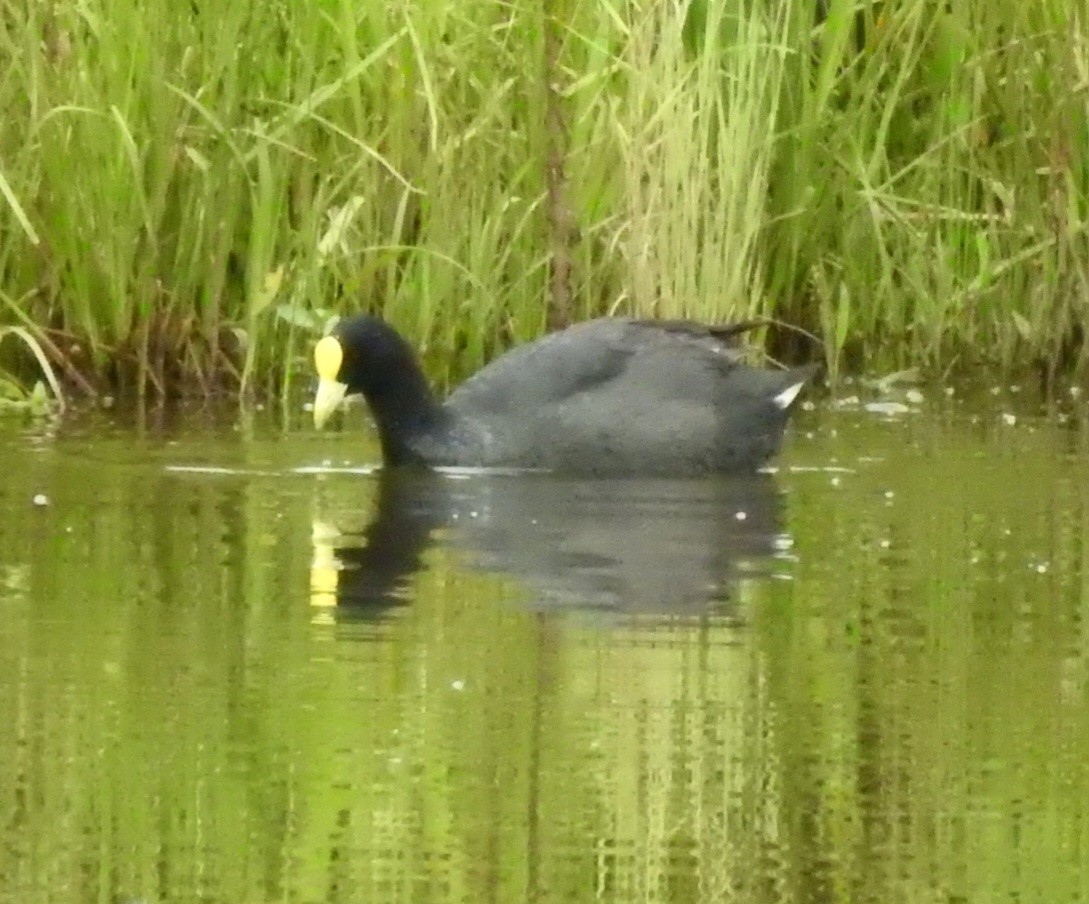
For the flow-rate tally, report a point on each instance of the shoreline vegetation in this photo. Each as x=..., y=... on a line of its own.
x=189, y=191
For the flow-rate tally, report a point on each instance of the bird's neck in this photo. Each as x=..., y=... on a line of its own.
x=407, y=416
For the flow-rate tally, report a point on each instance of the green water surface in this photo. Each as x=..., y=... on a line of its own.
x=243, y=666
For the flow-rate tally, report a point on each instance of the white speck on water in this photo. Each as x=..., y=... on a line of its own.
x=1041, y=567
x=474, y=514
x=808, y=406
x=888, y=409
x=740, y=516
x=41, y=499
x=1075, y=392
x=889, y=494
x=814, y=469
x=1009, y=420
x=835, y=481
x=458, y=685
x=914, y=397
x=950, y=391
x=885, y=544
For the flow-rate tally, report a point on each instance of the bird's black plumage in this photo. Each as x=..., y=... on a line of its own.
x=608, y=396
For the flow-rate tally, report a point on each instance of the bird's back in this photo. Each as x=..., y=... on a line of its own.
x=625, y=396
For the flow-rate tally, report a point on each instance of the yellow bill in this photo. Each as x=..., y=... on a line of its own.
x=328, y=356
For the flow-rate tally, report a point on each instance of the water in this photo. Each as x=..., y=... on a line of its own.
x=241, y=666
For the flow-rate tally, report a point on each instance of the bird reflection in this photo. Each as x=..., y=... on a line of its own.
x=635, y=545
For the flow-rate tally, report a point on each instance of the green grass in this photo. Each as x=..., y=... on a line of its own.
x=187, y=193
x=37, y=399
